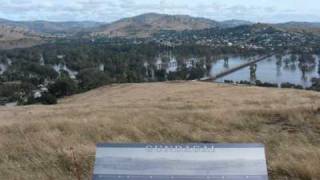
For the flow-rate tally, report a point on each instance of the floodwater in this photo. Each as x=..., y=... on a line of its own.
x=271, y=70
x=3, y=68
x=59, y=67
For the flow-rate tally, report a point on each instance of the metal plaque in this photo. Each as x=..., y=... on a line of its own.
x=180, y=162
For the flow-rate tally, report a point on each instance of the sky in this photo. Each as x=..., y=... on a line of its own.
x=111, y=10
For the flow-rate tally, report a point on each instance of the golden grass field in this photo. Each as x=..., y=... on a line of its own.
x=36, y=142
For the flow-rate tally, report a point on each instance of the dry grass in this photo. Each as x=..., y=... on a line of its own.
x=35, y=141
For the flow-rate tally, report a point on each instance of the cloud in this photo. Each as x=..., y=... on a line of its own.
x=111, y=10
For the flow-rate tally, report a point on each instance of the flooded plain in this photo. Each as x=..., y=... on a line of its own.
x=273, y=70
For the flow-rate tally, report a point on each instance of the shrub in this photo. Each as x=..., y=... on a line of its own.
x=92, y=78
x=63, y=87
x=228, y=81
x=265, y=84
x=315, y=84
x=290, y=85
x=48, y=99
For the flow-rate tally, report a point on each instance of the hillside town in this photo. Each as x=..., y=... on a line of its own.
x=242, y=37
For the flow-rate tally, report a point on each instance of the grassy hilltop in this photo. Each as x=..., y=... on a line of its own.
x=36, y=142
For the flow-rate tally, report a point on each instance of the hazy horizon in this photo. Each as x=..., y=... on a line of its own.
x=97, y=21
x=267, y=11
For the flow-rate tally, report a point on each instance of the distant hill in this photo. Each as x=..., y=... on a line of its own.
x=147, y=24
x=3, y=20
x=29, y=33
x=300, y=27
x=48, y=27
x=234, y=23
x=14, y=36
x=144, y=25
x=60, y=27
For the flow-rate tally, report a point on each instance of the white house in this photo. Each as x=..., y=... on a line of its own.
x=40, y=91
x=37, y=94
x=43, y=88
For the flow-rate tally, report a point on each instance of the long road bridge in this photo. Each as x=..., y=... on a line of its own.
x=234, y=69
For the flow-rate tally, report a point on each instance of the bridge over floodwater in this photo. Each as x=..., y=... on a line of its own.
x=234, y=69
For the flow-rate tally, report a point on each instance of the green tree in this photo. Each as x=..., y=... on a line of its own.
x=48, y=99
x=92, y=78
x=63, y=86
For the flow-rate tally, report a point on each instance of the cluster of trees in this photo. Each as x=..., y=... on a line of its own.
x=60, y=87
x=124, y=63
x=8, y=92
x=46, y=98
x=183, y=74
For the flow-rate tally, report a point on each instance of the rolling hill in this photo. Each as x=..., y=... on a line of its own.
x=234, y=23
x=16, y=37
x=48, y=27
x=38, y=142
x=301, y=27
x=147, y=24
x=29, y=33
x=20, y=34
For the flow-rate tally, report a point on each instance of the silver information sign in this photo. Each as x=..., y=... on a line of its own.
x=180, y=162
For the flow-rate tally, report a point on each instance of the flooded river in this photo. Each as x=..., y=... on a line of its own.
x=272, y=70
